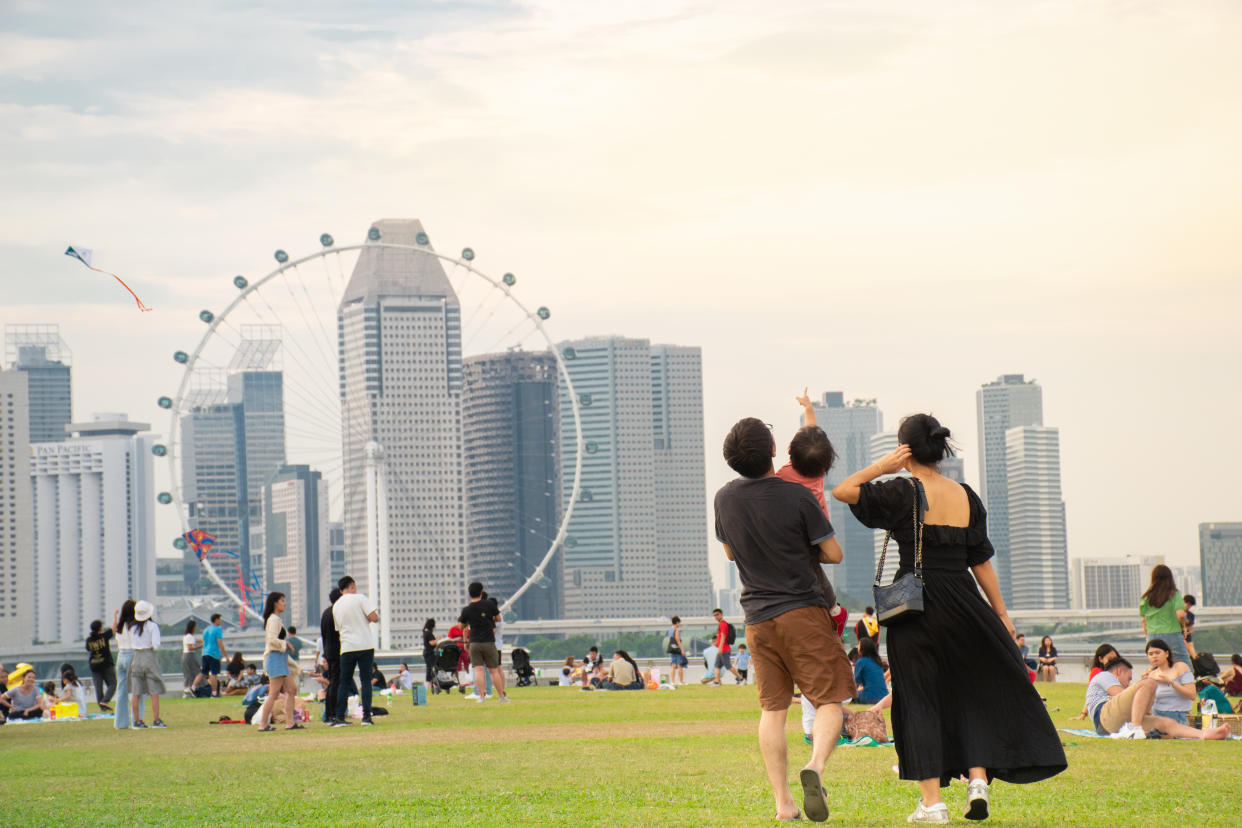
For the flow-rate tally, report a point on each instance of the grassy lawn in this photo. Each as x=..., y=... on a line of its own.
x=553, y=757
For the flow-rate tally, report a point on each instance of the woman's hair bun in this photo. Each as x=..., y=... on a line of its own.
x=927, y=438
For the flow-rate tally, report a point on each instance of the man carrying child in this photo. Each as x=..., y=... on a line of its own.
x=778, y=535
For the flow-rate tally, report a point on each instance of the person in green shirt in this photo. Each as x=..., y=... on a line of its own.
x=1163, y=613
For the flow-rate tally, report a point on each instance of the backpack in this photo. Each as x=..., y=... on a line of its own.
x=730, y=634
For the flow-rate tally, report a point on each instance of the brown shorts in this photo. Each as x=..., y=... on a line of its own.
x=484, y=654
x=799, y=646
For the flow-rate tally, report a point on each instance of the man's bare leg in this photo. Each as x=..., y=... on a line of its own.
x=1141, y=704
x=773, y=748
x=498, y=681
x=480, y=683
x=825, y=734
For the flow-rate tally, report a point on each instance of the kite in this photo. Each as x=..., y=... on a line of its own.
x=202, y=543
x=198, y=540
x=84, y=256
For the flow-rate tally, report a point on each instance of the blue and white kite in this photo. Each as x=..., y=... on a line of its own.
x=84, y=256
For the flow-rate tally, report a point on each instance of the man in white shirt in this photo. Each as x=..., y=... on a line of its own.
x=353, y=614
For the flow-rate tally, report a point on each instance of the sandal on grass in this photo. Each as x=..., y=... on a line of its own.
x=814, y=797
x=296, y=727
x=797, y=817
x=266, y=729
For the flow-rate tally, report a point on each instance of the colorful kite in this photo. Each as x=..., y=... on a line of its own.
x=84, y=256
x=197, y=539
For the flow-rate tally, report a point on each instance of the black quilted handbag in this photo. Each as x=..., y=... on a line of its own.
x=903, y=598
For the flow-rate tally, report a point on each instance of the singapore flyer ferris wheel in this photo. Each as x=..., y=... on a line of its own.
x=388, y=393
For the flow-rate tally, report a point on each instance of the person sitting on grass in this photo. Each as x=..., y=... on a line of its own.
x=623, y=673
x=1105, y=654
x=1119, y=707
x=26, y=700
x=869, y=674
x=71, y=689
x=1232, y=677
x=1175, y=683
x=1208, y=691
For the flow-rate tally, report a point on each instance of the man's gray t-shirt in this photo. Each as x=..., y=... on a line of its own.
x=1097, y=691
x=773, y=527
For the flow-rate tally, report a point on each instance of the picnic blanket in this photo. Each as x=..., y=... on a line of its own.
x=1091, y=734
x=46, y=720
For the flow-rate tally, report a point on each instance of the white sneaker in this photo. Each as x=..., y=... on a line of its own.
x=977, y=799
x=937, y=814
x=472, y=696
x=1130, y=731
x=479, y=699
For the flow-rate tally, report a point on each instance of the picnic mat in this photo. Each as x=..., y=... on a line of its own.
x=45, y=720
x=1091, y=734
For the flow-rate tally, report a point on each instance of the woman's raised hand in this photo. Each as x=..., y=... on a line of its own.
x=895, y=460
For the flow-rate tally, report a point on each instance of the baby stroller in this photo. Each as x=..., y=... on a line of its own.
x=521, y=666
x=447, y=655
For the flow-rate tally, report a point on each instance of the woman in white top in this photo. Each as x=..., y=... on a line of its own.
x=189, y=657
x=1175, y=683
x=276, y=665
x=144, y=672
x=121, y=623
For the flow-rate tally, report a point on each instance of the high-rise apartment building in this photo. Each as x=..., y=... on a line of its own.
x=296, y=542
x=94, y=539
x=17, y=561
x=1011, y=400
x=637, y=543
x=510, y=439
x=40, y=353
x=399, y=328
x=850, y=427
x=1220, y=561
x=336, y=553
x=1039, y=568
x=229, y=450
x=1110, y=583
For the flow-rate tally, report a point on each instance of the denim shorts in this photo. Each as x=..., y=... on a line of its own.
x=276, y=665
x=678, y=660
x=1179, y=716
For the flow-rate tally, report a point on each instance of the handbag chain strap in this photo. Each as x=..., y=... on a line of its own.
x=918, y=538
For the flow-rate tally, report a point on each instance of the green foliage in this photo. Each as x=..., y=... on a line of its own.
x=1218, y=640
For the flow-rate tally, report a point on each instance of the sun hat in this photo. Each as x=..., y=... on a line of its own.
x=143, y=611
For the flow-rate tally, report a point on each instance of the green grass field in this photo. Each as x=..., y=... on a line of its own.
x=554, y=757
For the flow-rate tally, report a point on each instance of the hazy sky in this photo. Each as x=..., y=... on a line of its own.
x=899, y=200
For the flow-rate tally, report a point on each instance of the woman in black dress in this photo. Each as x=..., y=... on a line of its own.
x=429, y=651
x=963, y=704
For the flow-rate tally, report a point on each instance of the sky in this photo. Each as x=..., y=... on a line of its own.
x=898, y=200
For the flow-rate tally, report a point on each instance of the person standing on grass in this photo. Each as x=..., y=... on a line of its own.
x=724, y=658
x=190, y=645
x=481, y=616
x=331, y=657
x=676, y=654
x=354, y=613
x=963, y=702
x=1163, y=612
x=144, y=673
x=429, y=652
x=103, y=671
x=214, y=652
x=122, y=622
x=777, y=535
x=276, y=665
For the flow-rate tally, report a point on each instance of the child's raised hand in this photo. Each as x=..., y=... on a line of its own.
x=803, y=400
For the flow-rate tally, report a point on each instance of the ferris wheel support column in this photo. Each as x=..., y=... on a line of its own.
x=384, y=597
x=373, y=454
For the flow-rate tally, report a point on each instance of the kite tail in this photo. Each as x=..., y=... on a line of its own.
x=141, y=306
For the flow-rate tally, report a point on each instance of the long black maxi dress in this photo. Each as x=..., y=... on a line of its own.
x=962, y=697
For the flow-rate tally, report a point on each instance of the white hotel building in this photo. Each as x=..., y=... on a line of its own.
x=94, y=525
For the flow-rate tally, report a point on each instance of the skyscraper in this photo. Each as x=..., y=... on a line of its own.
x=17, y=560
x=230, y=450
x=1110, y=583
x=296, y=543
x=851, y=428
x=641, y=420
x=1220, y=561
x=94, y=539
x=1011, y=400
x=399, y=327
x=39, y=352
x=1039, y=567
x=510, y=428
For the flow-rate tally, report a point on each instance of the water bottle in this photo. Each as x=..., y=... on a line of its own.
x=1209, y=714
